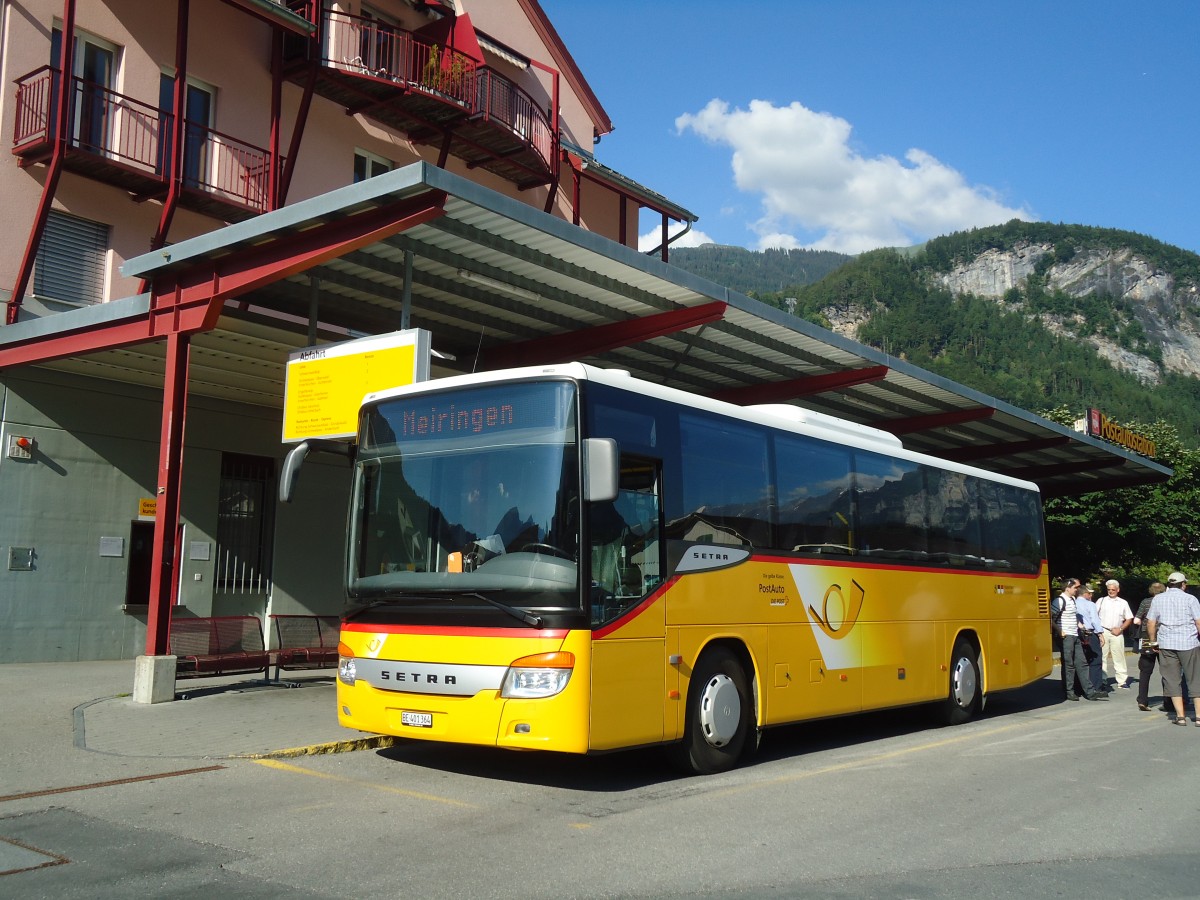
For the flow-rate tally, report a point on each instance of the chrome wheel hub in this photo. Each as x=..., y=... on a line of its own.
x=720, y=710
x=963, y=686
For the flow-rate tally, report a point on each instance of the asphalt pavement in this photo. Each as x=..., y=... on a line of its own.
x=51, y=711
x=74, y=726
x=62, y=723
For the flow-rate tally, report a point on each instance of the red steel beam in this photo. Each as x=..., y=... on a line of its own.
x=590, y=341
x=1033, y=473
x=993, y=451
x=191, y=299
x=1102, y=484
x=165, y=556
x=246, y=270
x=779, y=391
x=935, y=420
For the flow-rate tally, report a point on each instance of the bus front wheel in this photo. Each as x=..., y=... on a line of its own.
x=718, y=715
x=966, y=686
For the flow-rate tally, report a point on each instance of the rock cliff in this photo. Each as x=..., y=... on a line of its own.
x=1168, y=313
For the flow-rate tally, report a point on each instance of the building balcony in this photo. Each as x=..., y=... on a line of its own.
x=435, y=95
x=123, y=142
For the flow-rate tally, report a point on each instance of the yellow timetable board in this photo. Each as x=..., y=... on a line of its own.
x=326, y=385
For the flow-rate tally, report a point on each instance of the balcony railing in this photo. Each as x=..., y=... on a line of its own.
x=369, y=49
x=499, y=100
x=104, y=127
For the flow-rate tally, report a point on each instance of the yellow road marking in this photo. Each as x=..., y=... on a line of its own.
x=416, y=795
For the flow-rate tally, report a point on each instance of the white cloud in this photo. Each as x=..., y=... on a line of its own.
x=812, y=181
x=651, y=239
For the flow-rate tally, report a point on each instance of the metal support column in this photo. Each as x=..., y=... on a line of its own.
x=164, y=578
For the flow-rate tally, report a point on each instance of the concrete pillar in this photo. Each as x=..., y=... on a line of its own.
x=154, y=679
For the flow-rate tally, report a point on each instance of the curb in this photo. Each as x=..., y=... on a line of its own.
x=378, y=742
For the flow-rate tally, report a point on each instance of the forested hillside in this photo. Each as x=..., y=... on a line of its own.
x=756, y=273
x=1053, y=319
x=1041, y=342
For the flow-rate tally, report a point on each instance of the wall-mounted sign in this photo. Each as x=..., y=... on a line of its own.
x=147, y=508
x=326, y=385
x=1101, y=426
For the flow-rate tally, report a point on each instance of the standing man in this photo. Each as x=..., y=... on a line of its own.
x=1074, y=665
x=1147, y=654
x=1115, y=617
x=1174, y=621
x=1091, y=635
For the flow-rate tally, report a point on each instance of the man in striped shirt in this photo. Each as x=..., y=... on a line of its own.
x=1174, y=622
x=1074, y=664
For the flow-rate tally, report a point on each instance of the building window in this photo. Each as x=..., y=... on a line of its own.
x=72, y=259
x=368, y=165
x=92, y=99
x=198, y=118
x=245, y=523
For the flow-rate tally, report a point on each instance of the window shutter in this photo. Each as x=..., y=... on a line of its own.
x=71, y=259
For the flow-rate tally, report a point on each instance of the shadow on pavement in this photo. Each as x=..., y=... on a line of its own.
x=632, y=769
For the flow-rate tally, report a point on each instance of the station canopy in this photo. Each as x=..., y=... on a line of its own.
x=499, y=283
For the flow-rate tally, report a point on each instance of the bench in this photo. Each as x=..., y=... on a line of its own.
x=218, y=645
x=305, y=642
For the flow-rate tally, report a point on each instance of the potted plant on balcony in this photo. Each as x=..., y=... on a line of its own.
x=448, y=81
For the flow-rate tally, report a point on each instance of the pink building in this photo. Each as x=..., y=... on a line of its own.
x=135, y=126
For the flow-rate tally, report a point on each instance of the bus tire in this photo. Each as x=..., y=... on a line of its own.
x=966, y=687
x=719, y=715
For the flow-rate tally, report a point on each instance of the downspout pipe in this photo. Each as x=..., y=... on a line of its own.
x=662, y=247
x=62, y=121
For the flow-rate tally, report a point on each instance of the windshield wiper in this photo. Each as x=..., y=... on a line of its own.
x=387, y=601
x=524, y=615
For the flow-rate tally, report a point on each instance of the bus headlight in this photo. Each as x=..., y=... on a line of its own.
x=540, y=675
x=347, y=673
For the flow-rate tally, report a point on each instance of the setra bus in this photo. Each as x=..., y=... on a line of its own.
x=570, y=559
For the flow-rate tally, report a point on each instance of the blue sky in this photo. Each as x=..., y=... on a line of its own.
x=845, y=125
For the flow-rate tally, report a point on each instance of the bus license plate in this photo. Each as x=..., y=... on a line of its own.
x=416, y=719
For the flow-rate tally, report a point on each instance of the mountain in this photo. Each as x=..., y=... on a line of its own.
x=1038, y=315
x=754, y=272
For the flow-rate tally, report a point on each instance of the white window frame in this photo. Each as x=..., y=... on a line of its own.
x=372, y=160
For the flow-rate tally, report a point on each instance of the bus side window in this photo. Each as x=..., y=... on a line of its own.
x=890, y=514
x=727, y=496
x=814, y=480
x=624, y=536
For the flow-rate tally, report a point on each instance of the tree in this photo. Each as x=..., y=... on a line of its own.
x=1138, y=534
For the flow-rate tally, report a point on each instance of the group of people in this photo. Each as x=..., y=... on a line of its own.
x=1167, y=628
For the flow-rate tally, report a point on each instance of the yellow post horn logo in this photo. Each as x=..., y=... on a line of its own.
x=849, y=611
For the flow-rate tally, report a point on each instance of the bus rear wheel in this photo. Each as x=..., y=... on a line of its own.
x=966, y=687
x=719, y=715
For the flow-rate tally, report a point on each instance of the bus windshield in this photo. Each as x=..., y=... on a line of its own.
x=472, y=492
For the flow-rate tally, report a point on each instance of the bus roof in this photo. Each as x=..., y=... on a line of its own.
x=781, y=416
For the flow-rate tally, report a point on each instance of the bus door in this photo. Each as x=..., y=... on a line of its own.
x=629, y=660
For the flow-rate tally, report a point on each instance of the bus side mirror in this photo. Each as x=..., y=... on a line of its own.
x=295, y=459
x=601, y=469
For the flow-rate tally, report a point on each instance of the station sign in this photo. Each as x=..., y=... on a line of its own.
x=1101, y=426
x=325, y=385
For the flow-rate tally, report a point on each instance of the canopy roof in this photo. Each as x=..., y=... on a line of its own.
x=498, y=282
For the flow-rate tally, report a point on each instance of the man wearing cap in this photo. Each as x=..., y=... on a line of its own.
x=1174, y=622
x=1115, y=616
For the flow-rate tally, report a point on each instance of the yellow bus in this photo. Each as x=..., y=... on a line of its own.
x=570, y=559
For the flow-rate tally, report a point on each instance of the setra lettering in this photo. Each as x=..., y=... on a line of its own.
x=417, y=677
x=719, y=557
